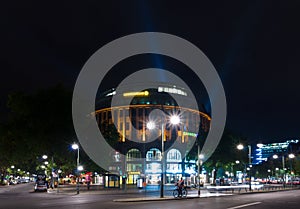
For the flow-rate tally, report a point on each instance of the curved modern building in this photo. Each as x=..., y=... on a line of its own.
x=137, y=117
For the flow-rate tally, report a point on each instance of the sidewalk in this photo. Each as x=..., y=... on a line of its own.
x=152, y=192
x=192, y=194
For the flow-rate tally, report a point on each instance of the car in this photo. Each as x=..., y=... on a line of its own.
x=23, y=180
x=41, y=184
x=256, y=185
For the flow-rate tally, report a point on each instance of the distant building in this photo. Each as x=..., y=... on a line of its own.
x=143, y=156
x=268, y=150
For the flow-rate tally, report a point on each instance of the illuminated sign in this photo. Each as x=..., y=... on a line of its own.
x=136, y=93
x=134, y=172
x=185, y=133
x=267, y=150
x=172, y=90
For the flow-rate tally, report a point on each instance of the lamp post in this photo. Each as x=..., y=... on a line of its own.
x=58, y=175
x=174, y=120
x=269, y=171
x=200, y=158
x=283, y=166
x=240, y=147
x=43, y=159
x=162, y=160
x=76, y=147
x=290, y=156
x=12, y=170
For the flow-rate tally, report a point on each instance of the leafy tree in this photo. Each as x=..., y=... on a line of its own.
x=296, y=165
x=41, y=123
x=224, y=157
x=38, y=124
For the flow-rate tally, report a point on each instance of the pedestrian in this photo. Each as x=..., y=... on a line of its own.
x=88, y=181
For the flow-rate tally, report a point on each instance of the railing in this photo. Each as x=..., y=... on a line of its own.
x=254, y=187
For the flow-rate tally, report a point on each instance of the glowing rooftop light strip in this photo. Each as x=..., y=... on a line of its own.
x=137, y=93
x=157, y=106
x=172, y=90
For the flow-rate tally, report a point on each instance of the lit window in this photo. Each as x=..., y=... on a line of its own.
x=153, y=154
x=133, y=154
x=174, y=156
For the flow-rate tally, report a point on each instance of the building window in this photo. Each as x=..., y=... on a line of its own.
x=174, y=156
x=133, y=154
x=174, y=168
x=132, y=167
x=153, y=154
x=116, y=157
x=127, y=126
x=153, y=168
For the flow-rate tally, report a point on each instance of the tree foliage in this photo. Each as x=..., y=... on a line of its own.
x=224, y=157
x=38, y=124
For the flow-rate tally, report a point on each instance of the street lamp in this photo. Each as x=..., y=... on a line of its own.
x=80, y=168
x=269, y=171
x=283, y=166
x=45, y=157
x=290, y=156
x=12, y=170
x=76, y=147
x=240, y=147
x=200, y=162
x=174, y=120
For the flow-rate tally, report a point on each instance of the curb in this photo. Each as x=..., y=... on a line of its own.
x=267, y=191
x=144, y=199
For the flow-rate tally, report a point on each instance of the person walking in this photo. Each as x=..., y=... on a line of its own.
x=88, y=181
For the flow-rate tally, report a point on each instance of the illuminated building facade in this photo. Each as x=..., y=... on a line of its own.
x=141, y=157
x=268, y=150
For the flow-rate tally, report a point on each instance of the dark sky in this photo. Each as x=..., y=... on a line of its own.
x=254, y=46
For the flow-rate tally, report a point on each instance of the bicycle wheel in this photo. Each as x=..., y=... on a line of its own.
x=184, y=192
x=175, y=193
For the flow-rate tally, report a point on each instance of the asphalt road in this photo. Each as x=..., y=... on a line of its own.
x=22, y=196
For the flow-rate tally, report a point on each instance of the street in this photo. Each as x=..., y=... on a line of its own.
x=22, y=196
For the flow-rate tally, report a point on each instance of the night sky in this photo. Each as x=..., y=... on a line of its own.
x=254, y=46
